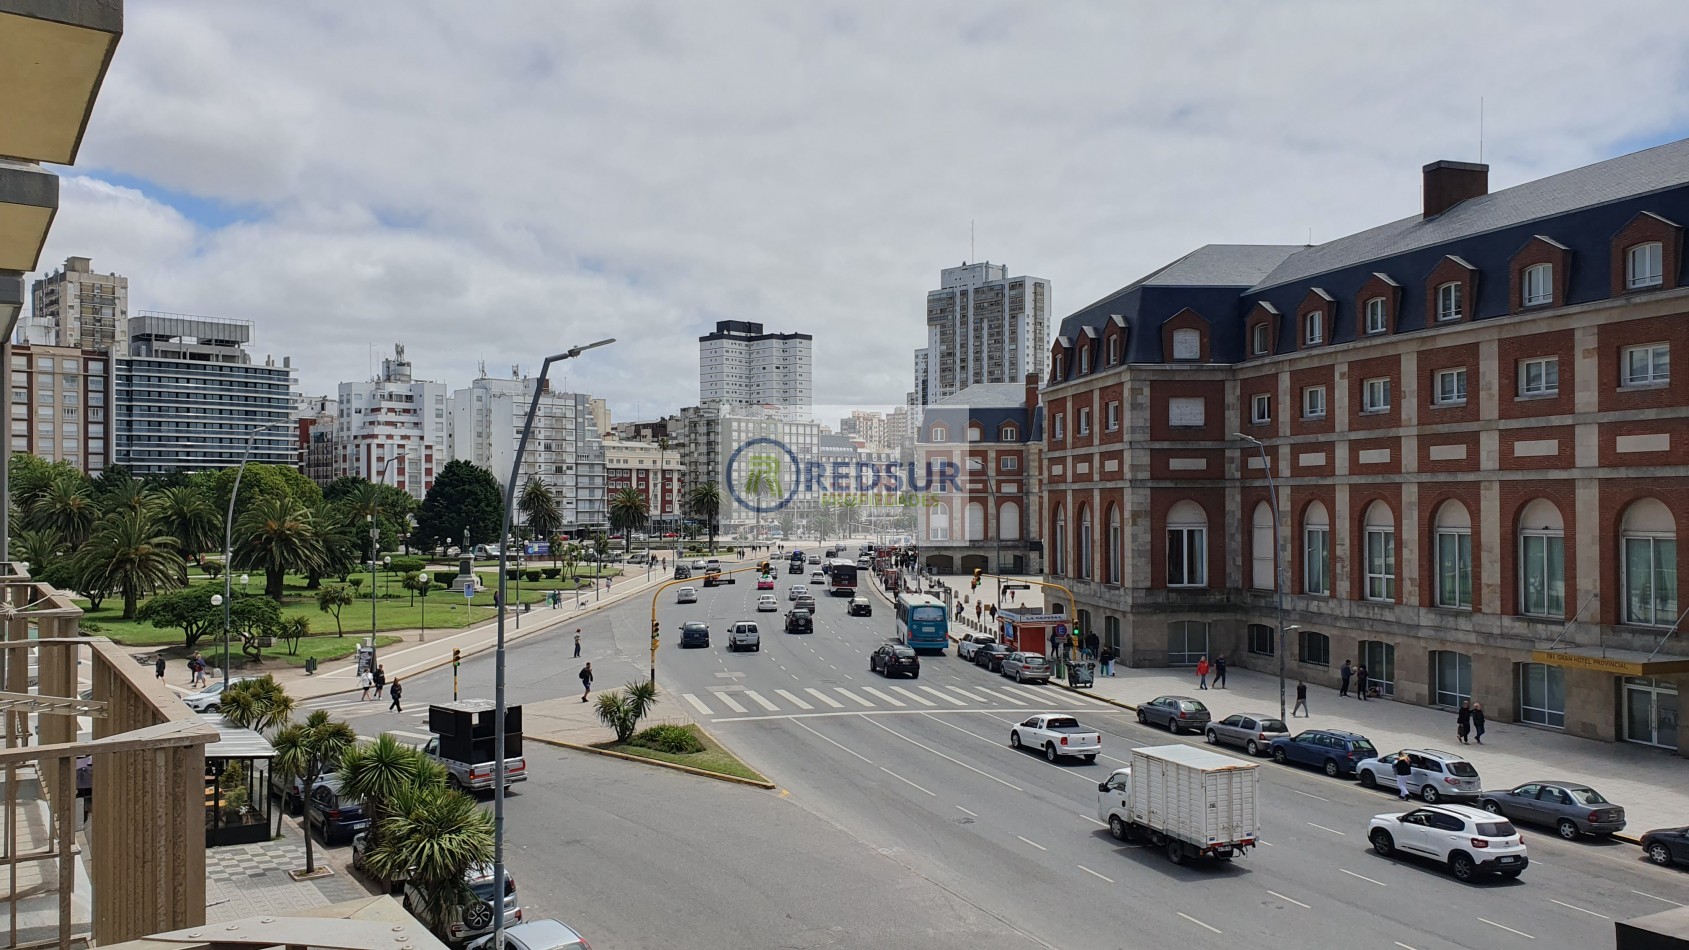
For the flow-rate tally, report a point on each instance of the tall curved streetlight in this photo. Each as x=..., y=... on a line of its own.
x=229, y=545
x=375, y=549
x=1278, y=562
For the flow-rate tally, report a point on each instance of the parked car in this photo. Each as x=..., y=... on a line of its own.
x=333, y=816
x=475, y=917
x=1057, y=735
x=766, y=603
x=816, y=577
x=765, y=582
x=1252, y=731
x=210, y=699
x=860, y=606
x=686, y=595
x=1177, y=713
x=1469, y=841
x=1436, y=775
x=1333, y=750
x=1571, y=808
x=991, y=656
x=800, y=621
x=695, y=633
x=970, y=644
x=894, y=658
x=1667, y=846
x=796, y=591
x=744, y=636
x=546, y=934
x=291, y=790
x=1026, y=667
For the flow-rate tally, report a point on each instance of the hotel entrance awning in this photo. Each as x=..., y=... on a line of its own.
x=1618, y=662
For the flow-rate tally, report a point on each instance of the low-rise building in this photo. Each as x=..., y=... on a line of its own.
x=650, y=469
x=987, y=517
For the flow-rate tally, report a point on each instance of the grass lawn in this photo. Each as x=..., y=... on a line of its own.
x=713, y=759
x=324, y=648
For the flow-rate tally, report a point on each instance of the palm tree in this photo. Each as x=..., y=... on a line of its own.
x=125, y=492
x=629, y=510
x=66, y=506
x=337, y=534
x=129, y=552
x=704, y=500
x=304, y=751
x=39, y=549
x=539, y=509
x=377, y=773
x=760, y=482
x=192, y=520
x=435, y=835
x=259, y=704
x=277, y=535
x=663, y=446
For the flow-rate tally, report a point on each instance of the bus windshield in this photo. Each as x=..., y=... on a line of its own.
x=927, y=613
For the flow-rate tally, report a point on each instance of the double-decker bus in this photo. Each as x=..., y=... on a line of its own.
x=923, y=624
x=841, y=578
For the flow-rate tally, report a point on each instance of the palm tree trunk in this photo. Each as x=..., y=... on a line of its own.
x=273, y=578
x=305, y=813
x=131, y=599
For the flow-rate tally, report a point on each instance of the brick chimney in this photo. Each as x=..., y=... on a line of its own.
x=1449, y=183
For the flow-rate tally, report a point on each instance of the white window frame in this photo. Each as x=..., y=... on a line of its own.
x=1655, y=617
x=1009, y=463
x=1084, y=360
x=1259, y=337
x=1056, y=364
x=1114, y=351
x=938, y=522
x=1375, y=394
x=1309, y=410
x=1449, y=387
x=1113, y=415
x=1060, y=427
x=1313, y=327
x=1458, y=542
x=1082, y=422
x=1450, y=301
x=1659, y=365
x=1191, y=560
x=1377, y=316
x=1380, y=560
x=1547, y=365
x=940, y=434
x=1316, y=560
x=1644, y=265
x=1260, y=409
x=1536, y=285
x=1009, y=434
x=1547, y=608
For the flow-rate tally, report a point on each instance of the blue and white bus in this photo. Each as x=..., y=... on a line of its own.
x=923, y=623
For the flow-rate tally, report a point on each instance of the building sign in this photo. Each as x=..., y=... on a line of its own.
x=1610, y=664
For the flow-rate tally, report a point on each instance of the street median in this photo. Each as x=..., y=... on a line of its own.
x=710, y=760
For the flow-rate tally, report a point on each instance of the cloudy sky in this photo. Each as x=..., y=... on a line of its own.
x=499, y=184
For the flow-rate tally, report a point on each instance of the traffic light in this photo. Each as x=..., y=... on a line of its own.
x=456, y=656
x=656, y=628
x=977, y=572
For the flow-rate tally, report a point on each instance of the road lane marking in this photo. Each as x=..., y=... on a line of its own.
x=730, y=702
x=1508, y=929
x=1023, y=692
x=1405, y=946
x=1660, y=899
x=830, y=739
x=945, y=757
x=904, y=780
x=1332, y=830
x=858, y=700
x=914, y=696
x=697, y=704
x=971, y=697
x=966, y=812
x=945, y=696
x=1310, y=795
x=1362, y=877
x=1042, y=761
x=1290, y=900
x=1033, y=843
x=1089, y=818
x=793, y=698
x=757, y=698
x=1199, y=923
x=885, y=696
x=1577, y=908
x=824, y=697
x=1093, y=873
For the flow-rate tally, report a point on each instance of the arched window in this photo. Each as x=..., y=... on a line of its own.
x=938, y=522
x=1187, y=545
x=1542, y=560
x=975, y=526
x=1008, y=521
x=1316, y=551
x=1085, y=553
x=1058, y=541
x=1262, y=546
x=1648, y=538
x=1454, y=556
x=1380, y=557
x=1113, y=552
x=1008, y=434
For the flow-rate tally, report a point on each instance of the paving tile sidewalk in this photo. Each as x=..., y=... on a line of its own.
x=1652, y=785
x=249, y=880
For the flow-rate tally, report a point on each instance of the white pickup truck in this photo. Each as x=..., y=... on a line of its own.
x=1193, y=802
x=1057, y=735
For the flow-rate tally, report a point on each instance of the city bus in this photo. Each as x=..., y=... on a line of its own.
x=923, y=624
x=841, y=578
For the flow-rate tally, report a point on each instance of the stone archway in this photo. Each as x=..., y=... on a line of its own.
x=973, y=562
x=941, y=563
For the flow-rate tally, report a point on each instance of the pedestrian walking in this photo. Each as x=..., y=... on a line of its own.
x=1301, y=700
x=1343, y=678
x=1220, y=671
x=380, y=678
x=1463, y=721
x=979, y=611
x=586, y=681
x=158, y=666
x=1478, y=722
x=577, y=642
x=196, y=670
x=1202, y=673
x=1106, y=658
x=366, y=682
x=1361, y=682
x=396, y=692
x=1404, y=774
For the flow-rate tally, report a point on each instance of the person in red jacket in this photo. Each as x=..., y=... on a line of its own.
x=1202, y=673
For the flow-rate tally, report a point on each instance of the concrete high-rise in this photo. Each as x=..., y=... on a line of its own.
x=80, y=309
x=741, y=365
x=983, y=326
x=565, y=449
x=393, y=429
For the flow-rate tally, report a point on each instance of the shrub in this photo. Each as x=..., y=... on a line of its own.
x=551, y=573
x=675, y=739
x=407, y=565
x=531, y=576
x=622, y=709
x=444, y=578
x=357, y=582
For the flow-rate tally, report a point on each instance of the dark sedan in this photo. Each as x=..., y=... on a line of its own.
x=1177, y=713
x=1333, y=750
x=894, y=659
x=1570, y=808
x=991, y=656
x=1667, y=846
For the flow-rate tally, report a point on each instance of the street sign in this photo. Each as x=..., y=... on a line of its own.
x=468, y=591
x=1039, y=618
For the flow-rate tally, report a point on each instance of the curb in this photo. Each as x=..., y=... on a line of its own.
x=718, y=776
x=1079, y=692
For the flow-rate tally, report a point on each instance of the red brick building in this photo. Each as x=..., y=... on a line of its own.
x=988, y=515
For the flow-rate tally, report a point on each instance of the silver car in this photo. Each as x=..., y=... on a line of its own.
x=1435, y=775
x=1175, y=712
x=1027, y=667
x=1252, y=731
x=1572, y=808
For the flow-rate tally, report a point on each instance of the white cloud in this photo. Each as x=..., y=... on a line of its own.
x=499, y=184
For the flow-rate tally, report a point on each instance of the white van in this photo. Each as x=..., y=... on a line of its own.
x=743, y=636
x=713, y=564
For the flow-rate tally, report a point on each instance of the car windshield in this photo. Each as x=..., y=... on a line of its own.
x=1462, y=769
x=1063, y=722
x=1496, y=829
x=1587, y=796
x=902, y=651
x=1364, y=747
x=696, y=628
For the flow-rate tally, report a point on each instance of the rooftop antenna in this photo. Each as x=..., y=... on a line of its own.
x=971, y=256
x=1480, y=130
x=1310, y=237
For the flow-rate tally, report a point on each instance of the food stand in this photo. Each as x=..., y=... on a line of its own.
x=238, y=809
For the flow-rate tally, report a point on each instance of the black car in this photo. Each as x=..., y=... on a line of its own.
x=894, y=658
x=682, y=572
x=860, y=607
x=334, y=816
x=796, y=568
x=695, y=633
x=1667, y=846
x=800, y=621
x=991, y=656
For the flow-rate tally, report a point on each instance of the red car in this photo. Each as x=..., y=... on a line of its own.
x=765, y=583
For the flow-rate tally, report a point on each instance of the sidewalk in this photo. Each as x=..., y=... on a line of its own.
x=1649, y=783
x=252, y=880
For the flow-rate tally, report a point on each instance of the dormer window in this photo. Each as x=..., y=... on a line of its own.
x=1644, y=265
x=1114, y=351
x=1449, y=301
x=940, y=434
x=1008, y=434
x=1258, y=337
x=1313, y=328
x=974, y=434
x=1187, y=344
x=1377, y=318
x=1056, y=366
x=1084, y=360
x=1538, y=285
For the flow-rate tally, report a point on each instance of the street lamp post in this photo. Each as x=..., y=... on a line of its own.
x=520, y=562
x=229, y=547
x=498, y=653
x=245, y=579
x=1278, y=563
x=387, y=581
x=375, y=551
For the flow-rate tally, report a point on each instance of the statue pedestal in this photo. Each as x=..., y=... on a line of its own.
x=464, y=575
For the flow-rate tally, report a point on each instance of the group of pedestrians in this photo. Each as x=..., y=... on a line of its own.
x=376, y=680
x=1363, y=681
x=1203, y=668
x=1469, y=722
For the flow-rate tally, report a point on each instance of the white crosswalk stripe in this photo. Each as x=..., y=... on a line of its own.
x=731, y=703
x=914, y=696
x=757, y=698
x=697, y=704
x=792, y=697
x=945, y=696
x=888, y=698
x=972, y=697
x=824, y=697
x=853, y=697
x=1025, y=693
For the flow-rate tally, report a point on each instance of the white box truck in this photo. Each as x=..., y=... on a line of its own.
x=1193, y=802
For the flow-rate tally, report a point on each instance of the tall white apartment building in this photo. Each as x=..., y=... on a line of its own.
x=80, y=309
x=565, y=450
x=983, y=326
x=741, y=365
x=393, y=429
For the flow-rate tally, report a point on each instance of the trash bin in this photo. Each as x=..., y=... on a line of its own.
x=310, y=665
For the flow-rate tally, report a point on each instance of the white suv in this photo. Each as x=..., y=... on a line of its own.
x=1470, y=841
x=1436, y=775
